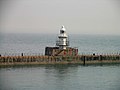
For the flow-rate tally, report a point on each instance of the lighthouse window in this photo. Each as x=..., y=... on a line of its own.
x=62, y=31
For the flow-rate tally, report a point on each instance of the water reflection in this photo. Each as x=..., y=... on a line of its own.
x=60, y=77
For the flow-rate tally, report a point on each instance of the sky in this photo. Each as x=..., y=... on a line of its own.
x=47, y=16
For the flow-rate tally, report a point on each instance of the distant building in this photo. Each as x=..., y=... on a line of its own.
x=62, y=46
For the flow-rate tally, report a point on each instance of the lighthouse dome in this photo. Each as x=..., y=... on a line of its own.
x=63, y=32
x=63, y=28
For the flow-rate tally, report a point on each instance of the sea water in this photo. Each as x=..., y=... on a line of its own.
x=59, y=77
x=36, y=43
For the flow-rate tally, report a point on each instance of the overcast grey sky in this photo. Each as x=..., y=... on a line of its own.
x=47, y=16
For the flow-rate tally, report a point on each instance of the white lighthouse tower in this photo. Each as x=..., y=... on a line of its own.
x=62, y=39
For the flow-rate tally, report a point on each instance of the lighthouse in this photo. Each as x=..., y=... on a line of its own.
x=62, y=41
x=62, y=46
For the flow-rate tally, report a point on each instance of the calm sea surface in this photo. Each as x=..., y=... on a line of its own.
x=36, y=43
x=59, y=77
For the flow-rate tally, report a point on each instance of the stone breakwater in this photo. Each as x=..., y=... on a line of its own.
x=78, y=59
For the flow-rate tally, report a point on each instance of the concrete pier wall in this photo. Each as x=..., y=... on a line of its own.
x=78, y=59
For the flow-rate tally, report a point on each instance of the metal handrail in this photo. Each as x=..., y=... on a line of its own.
x=60, y=43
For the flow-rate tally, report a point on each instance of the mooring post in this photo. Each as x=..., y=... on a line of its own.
x=101, y=57
x=84, y=60
x=21, y=54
